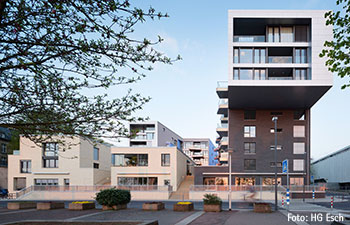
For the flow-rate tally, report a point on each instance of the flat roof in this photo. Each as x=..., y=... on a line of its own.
x=347, y=148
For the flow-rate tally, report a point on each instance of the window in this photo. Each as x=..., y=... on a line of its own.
x=296, y=181
x=299, y=115
x=298, y=164
x=301, y=34
x=300, y=55
x=165, y=159
x=167, y=182
x=298, y=148
x=236, y=55
x=301, y=74
x=279, y=130
x=150, y=136
x=273, y=34
x=50, y=155
x=267, y=181
x=279, y=147
x=3, y=161
x=130, y=159
x=66, y=182
x=96, y=166
x=137, y=181
x=26, y=166
x=249, y=147
x=259, y=55
x=246, y=74
x=96, y=153
x=44, y=182
x=249, y=131
x=299, y=131
x=3, y=148
x=236, y=74
x=286, y=34
x=244, y=181
x=215, y=180
x=259, y=74
x=249, y=114
x=249, y=164
x=246, y=55
x=272, y=164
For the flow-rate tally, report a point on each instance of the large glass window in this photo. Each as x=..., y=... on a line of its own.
x=165, y=159
x=137, y=181
x=246, y=74
x=298, y=164
x=301, y=33
x=26, y=166
x=259, y=55
x=301, y=74
x=150, y=136
x=96, y=153
x=259, y=74
x=215, y=180
x=249, y=131
x=50, y=155
x=236, y=55
x=249, y=148
x=236, y=74
x=130, y=159
x=244, y=181
x=296, y=181
x=246, y=55
x=300, y=55
x=267, y=181
x=249, y=164
x=286, y=34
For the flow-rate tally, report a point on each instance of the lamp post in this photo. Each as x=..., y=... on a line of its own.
x=229, y=177
x=274, y=119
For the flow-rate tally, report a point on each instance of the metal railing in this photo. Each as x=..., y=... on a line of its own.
x=271, y=188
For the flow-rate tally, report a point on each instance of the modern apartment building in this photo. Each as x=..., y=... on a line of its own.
x=60, y=161
x=152, y=134
x=201, y=150
x=149, y=166
x=274, y=70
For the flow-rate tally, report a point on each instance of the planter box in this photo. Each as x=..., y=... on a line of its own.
x=212, y=208
x=49, y=205
x=115, y=207
x=183, y=207
x=81, y=206
x=153, y=206
x=260, y=207
x=21, y=205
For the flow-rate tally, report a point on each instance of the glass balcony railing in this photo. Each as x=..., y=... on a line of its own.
x=280, y=78
x=222, y=125
x=280, y=59
x=224, y=139
x=222, y=84
x=223, y=101
x=247, y=38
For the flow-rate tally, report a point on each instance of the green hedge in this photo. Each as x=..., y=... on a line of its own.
x=111, y=197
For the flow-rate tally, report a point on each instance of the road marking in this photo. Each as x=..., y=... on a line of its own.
x=84, y=216
x=190, y=218
x=285, y=212
x=17, y=211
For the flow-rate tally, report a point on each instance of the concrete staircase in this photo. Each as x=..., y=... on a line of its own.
x=182, y=192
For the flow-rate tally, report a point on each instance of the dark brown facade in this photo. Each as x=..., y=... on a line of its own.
x=263, y=152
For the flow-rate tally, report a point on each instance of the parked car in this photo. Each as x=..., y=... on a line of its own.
x=3, y=193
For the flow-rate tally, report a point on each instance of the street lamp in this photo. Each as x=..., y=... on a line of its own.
x=274, y=119
x=230, y=151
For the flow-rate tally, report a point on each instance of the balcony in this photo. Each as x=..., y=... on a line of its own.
x=197, y=155
x=222, y=89
x=224, y=141
x=222, y=129
x=223, y=106
x=280, y=59
x=223, y=118
x=223, y=157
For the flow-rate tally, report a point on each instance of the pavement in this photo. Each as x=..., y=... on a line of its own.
x=299, y=212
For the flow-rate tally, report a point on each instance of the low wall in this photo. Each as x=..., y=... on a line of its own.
x=52, y=195
x=235, y=195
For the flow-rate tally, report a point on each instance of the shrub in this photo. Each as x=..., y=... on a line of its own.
x=111, y=197
x=211, y=199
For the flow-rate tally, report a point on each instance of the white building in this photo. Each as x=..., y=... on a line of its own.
x=75, y=161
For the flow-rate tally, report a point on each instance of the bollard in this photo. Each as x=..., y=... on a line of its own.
x=313, y=194
x=282, y=201
x=332, y=202
x=287, y=196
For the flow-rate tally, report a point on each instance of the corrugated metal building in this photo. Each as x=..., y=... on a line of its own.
x=334, y=169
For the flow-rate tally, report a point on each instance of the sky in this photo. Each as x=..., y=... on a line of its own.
x=184, y=94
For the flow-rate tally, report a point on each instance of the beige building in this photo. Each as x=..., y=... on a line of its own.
x=60, y=161
x=149, y=166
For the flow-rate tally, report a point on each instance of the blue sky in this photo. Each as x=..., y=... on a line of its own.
x=183, y=94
